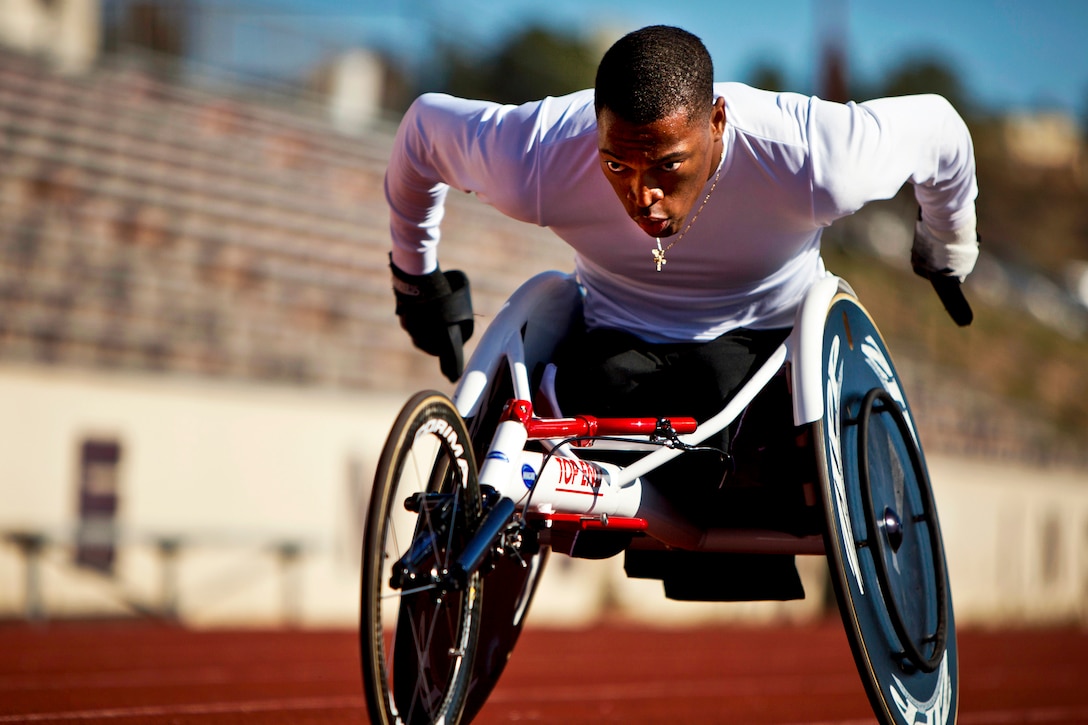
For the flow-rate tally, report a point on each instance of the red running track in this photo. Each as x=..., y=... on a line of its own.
x=130, y=673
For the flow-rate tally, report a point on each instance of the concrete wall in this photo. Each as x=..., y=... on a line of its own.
x=231, y=472
x=1016, y=538
x=238, y=476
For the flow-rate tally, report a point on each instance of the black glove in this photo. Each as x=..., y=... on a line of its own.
x=436, y=311
x=945, y=263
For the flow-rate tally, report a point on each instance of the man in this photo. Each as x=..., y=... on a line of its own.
x=723, y=193
x=693, y=278
x=723, y=190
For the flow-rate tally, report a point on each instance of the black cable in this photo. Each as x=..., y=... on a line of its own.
x=672, y=441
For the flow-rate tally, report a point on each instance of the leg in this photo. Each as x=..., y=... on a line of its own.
x=615, y=374
x=612, y=373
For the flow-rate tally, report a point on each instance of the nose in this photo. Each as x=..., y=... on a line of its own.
x=645, y=192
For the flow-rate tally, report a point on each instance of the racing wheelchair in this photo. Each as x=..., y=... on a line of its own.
x=472, y=494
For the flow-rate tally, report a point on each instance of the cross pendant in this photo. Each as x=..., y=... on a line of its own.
x=659, y=258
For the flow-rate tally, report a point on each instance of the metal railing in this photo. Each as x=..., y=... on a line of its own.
x=42, y=549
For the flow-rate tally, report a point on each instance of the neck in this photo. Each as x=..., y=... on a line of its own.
x=718, y=151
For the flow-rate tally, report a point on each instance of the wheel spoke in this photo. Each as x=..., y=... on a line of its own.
x=407, y=592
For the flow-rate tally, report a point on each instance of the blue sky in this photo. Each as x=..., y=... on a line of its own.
x=1009, y=54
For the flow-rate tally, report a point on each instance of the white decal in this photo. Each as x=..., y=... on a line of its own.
x=878, y=363
x=444, y=430
x=834, y=437
x=936, y=710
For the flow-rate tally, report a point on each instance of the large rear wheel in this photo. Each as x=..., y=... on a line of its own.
x=883, y=538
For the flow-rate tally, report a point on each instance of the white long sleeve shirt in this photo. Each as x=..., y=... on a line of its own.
x=792, y=165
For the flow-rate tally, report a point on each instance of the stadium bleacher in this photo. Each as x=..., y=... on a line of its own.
x=147, y=225
x=156, y=226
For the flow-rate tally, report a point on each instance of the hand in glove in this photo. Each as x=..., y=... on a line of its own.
x=436, y=311
x=943, y=254
x=945, y=259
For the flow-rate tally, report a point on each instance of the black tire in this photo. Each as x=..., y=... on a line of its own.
x=417, y=640
x=882, y=536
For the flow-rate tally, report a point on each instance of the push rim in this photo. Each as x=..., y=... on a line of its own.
x=893, y=528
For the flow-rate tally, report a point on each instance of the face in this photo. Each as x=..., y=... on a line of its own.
x=658, y=170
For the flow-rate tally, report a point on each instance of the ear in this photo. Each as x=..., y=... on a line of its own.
x=717, y=118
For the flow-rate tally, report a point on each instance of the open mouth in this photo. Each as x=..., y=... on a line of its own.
x=653, y=226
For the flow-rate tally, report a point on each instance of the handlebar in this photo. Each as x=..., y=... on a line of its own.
x=950, y=290
x=587, y=425
x=521, y=411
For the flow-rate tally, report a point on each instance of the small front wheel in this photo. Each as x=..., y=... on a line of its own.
x=419, y=626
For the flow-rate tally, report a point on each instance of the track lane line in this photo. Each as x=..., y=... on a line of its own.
x=341, y=702
x=991, y=717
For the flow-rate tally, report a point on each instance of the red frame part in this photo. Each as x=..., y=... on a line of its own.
x=521, y=411
x=582, y=522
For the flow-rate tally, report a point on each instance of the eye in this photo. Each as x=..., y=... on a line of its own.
x=614, y=166
x=671, y=166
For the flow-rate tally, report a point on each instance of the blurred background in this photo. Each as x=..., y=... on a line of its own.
x=199, y=359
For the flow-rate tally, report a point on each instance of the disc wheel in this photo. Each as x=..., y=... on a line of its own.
x=883, y=539
x=418, y=631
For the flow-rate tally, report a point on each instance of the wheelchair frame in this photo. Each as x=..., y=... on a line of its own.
x=535, y=480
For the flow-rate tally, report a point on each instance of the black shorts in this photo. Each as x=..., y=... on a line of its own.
x=609, y=372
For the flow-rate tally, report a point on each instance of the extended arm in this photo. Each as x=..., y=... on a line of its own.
x=443, y=142
x=867, y=151
x=473, y=146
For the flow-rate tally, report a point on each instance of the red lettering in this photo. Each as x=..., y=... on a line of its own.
x=582, y=474
x=566, y=471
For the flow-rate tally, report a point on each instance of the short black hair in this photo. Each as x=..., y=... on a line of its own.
x=651, y=73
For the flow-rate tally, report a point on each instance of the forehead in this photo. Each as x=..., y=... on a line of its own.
x=672, y=134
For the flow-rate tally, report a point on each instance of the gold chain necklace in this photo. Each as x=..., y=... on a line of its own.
x=659, y=253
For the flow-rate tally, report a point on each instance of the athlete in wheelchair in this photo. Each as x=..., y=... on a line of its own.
x=700, y=396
